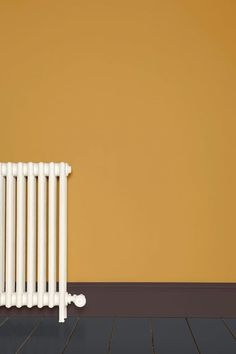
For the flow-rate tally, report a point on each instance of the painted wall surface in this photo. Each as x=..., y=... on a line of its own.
x=140, y=98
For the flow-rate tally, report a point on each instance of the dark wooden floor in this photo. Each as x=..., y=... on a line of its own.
x=36, y=335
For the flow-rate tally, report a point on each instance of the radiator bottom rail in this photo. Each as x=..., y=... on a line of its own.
x=29, y=300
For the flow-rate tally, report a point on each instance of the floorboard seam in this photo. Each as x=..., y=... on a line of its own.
x=4, y=321
x=111, y=336
x=152, y=337
x=228, y=328
x=27, y=338
x=69, y=337
x=194, y=339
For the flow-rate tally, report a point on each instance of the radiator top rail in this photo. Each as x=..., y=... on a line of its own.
x=33, y=168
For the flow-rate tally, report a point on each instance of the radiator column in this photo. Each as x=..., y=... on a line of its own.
x=62, y=242
x=20, y=245
x=42, y=250
x=2, y=230
x=10, y=235
x=52, y=247
x=31, y=255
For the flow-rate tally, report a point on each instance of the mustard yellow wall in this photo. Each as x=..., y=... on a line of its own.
x=140, y=98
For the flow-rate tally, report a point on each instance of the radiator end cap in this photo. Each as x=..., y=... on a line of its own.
x=78, y=300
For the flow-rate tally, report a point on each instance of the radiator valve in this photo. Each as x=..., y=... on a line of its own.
x=78, y=300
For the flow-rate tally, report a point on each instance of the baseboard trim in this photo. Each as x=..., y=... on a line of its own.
x=146, y=300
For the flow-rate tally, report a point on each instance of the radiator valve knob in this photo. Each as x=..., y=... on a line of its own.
x=78, y=300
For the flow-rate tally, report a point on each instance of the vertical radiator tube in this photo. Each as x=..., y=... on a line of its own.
x=41, y=234
x=2, y=230
x=10, y=235
x=52, y=234
x=20, y=245
x=31, y=249
x=62, y=242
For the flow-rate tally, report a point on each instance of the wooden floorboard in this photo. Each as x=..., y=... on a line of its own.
x=50, y=337
x=2, y=320
x=231, y=325
x=14, y=332
x=91, y=335
x=173, y=336
x=212, y=336
x=132, y=335
x=104, y=335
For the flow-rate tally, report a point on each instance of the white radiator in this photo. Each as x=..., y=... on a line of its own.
x=33, y=202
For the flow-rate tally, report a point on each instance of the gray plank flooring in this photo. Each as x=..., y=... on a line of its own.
x=14, y=332
x=132, y=335
x=2, y=320
x=212, y=336
x=231, y=325
x=172, y=335
x=91, y=335
x=50, y=337
x=101, y=335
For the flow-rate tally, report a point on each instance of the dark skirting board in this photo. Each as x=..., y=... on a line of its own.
x=157, y=299
x=146, y=300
